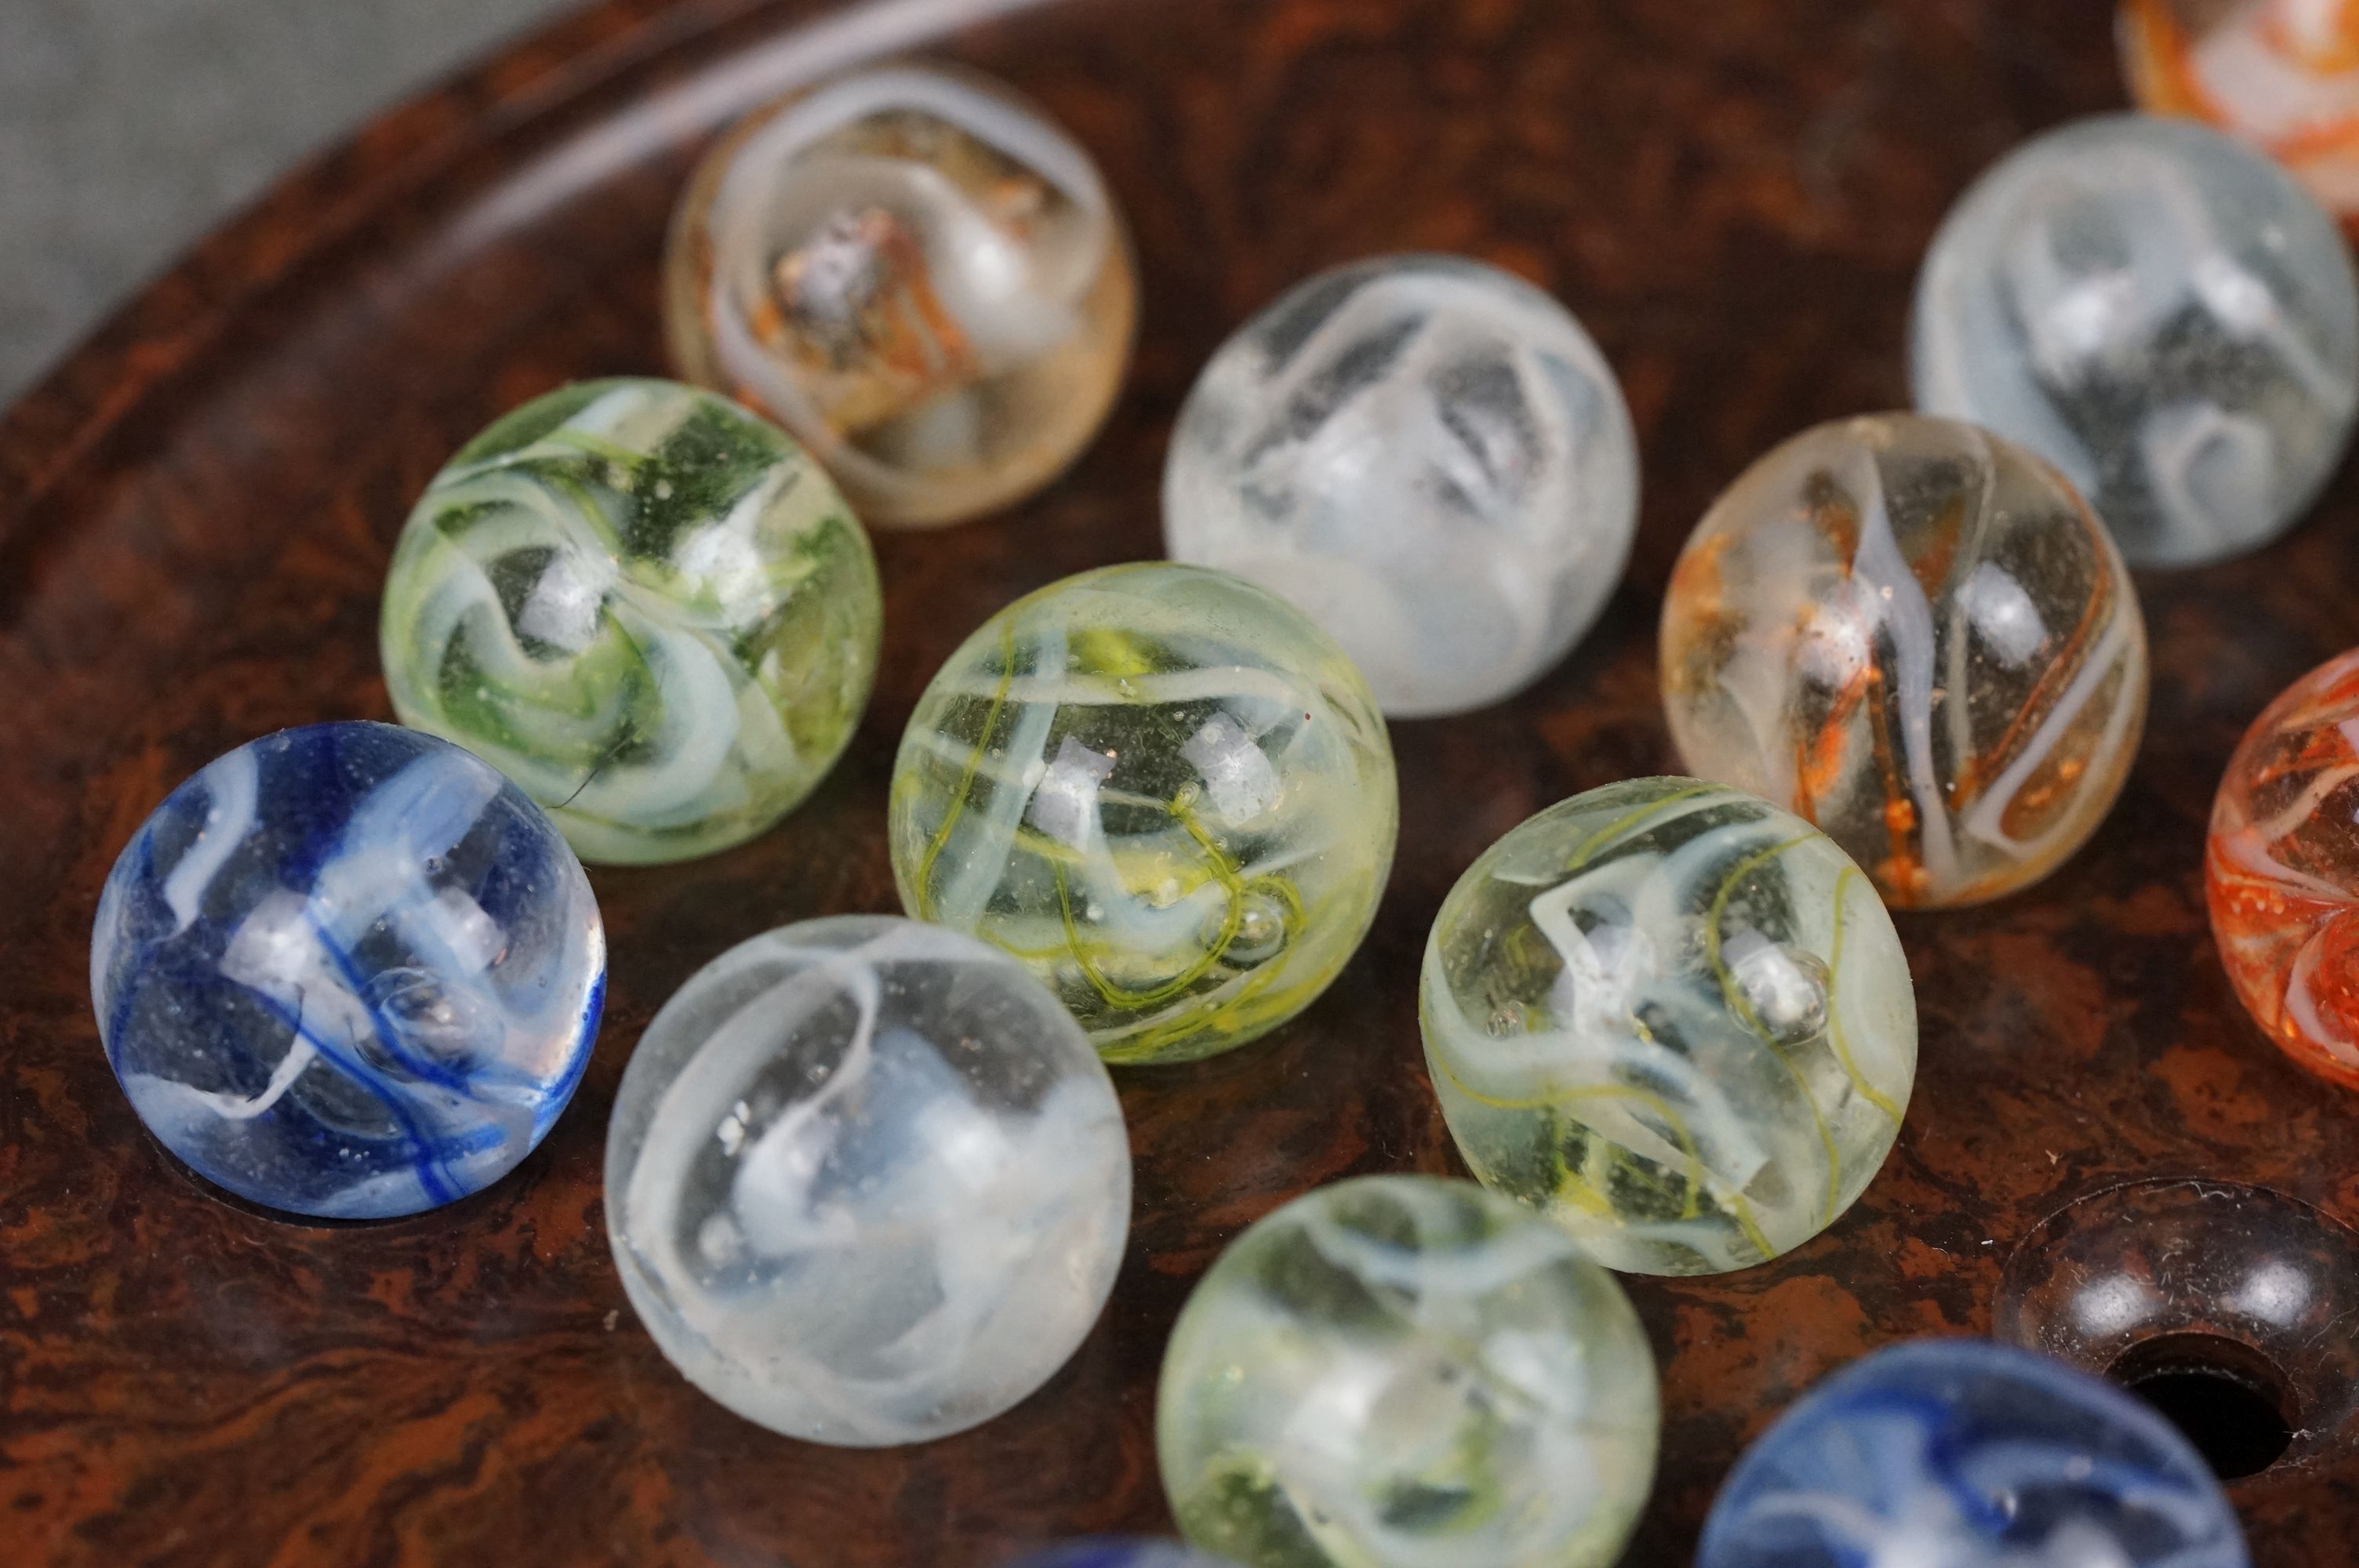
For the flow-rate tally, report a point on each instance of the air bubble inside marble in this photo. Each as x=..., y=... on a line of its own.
x=866, y=1183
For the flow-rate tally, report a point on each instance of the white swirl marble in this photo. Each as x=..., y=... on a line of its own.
x=2159, y=311
x=1427, y=455
x=866, y=1183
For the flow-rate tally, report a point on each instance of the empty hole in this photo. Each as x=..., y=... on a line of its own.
x=2229, y=1399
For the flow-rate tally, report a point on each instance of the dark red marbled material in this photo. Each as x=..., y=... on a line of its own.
x=195, y=513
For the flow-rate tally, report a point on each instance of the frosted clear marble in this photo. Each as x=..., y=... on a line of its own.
x=2162, y=312
x=1430, y=458
x=1674, y=1017
x=1403, y=1372
x=917, y=272
x=646, y=606
x=1163, y=789
x=865, y=1182
x=1914, y=635
x=348, y=970
x=1119, y=1554
x=1962, y=1454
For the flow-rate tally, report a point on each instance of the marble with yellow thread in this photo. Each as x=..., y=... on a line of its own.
x=1164, y=790
x=1674, y=1017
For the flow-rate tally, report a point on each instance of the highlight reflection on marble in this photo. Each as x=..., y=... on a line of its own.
x=348, y=970
x=918, y=273
x=1164, y=790
x=1963, y=1454
x=2282, y=868
x=1399, y=1372
x=1675, y=1018
x=866, y=1183
x=2160, y=312
x=1430, y=458
x=646, y=606
x=1915, y=635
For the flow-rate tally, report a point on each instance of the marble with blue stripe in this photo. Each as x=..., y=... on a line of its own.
x=1967, y=1454
x=348, y=970
x=1119, y=1553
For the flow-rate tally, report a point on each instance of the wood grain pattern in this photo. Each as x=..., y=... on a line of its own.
x=196, y=512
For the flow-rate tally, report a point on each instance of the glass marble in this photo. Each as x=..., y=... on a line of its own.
x=1964, y=1453
x=1402, y=1372
x=918, y=273
x=1164, y=790
x=1119, y=1554
x=1430, y=458
x=349, y=971
x=2281, y=74
x=1674, y=1017
x=2281, y=870
x=646, y=606
x=2160, y=312
x=866, y=1183
x=1917, y=636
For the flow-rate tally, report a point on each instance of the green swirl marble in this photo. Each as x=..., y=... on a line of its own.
x=1162, y=788
x=1676, y=1018
x=647, y=607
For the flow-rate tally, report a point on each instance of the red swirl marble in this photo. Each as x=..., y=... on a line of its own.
x=2281, y=870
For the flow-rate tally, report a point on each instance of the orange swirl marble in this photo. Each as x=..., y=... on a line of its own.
x=2282, y=74
x=2281, y=870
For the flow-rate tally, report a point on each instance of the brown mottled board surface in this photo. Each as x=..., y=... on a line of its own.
x=195, y=515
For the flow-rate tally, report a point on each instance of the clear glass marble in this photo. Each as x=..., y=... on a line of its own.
x=1430, y=458
x=1402, y=1372
x=1162, y=788
x=1915, y=635
x=1963, y=1454
x=1675, y=1018
x=917, y=272
x=646, y=606
x=2159, y=311
x=866, y=1183
x=348, y=970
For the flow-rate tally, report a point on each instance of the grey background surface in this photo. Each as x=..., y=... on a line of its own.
x=128, y=128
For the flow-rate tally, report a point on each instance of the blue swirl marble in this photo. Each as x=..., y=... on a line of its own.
x=348, y=970
x=1965, y=1453
x=1114, y=1554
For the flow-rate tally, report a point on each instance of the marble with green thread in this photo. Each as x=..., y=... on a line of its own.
x=1674, y=1017
x=1164, y=790
x=647, y=607
x=1401, y=1371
